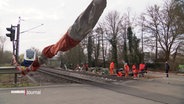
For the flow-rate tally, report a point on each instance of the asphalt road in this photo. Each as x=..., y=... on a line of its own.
x=159, y=90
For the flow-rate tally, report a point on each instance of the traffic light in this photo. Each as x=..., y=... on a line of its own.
x=11, y=34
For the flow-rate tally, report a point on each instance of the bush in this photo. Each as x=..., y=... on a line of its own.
x=156, y=66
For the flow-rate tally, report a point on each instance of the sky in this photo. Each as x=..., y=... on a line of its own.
x=56, y=16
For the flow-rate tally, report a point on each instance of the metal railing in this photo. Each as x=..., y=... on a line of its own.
x=10, y=70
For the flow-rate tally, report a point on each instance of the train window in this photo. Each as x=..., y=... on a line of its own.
x=30, y=55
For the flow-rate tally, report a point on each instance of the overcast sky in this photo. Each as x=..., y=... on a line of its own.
x=56, y=15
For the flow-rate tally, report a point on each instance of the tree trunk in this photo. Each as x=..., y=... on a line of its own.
x=90, y=50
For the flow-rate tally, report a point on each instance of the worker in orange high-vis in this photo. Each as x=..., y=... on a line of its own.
x=135, y=71
x=83, y=25
x=126, y=69
x=111, y=68
x=141, y=69
x=119, y=73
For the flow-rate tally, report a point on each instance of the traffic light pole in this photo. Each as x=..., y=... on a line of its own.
x=16, y=50
x=17, y=41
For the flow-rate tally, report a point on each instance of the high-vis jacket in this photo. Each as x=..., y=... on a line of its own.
x=135, y=71
x=141, y=67
x=81, y=27
x=111, y=70
x=112, y=65
x=126, y=69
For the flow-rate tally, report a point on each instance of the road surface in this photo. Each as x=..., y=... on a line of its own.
x=158, y=90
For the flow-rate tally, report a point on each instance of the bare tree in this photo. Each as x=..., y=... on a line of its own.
x=141, y=23
x=101, y=31
x=2, y=41
x=128, y=37
x=165, y=27
x=90, y=50
x=113, y=30
x=151, y=26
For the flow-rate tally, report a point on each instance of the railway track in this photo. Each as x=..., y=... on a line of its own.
x=76, y=76
x=85, y=74
x=107, y=83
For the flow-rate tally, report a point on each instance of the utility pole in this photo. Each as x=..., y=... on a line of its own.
x=142, y=39
x=142, y=36
x=142, y=33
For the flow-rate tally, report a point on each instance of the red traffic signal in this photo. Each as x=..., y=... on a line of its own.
x=11, y=34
